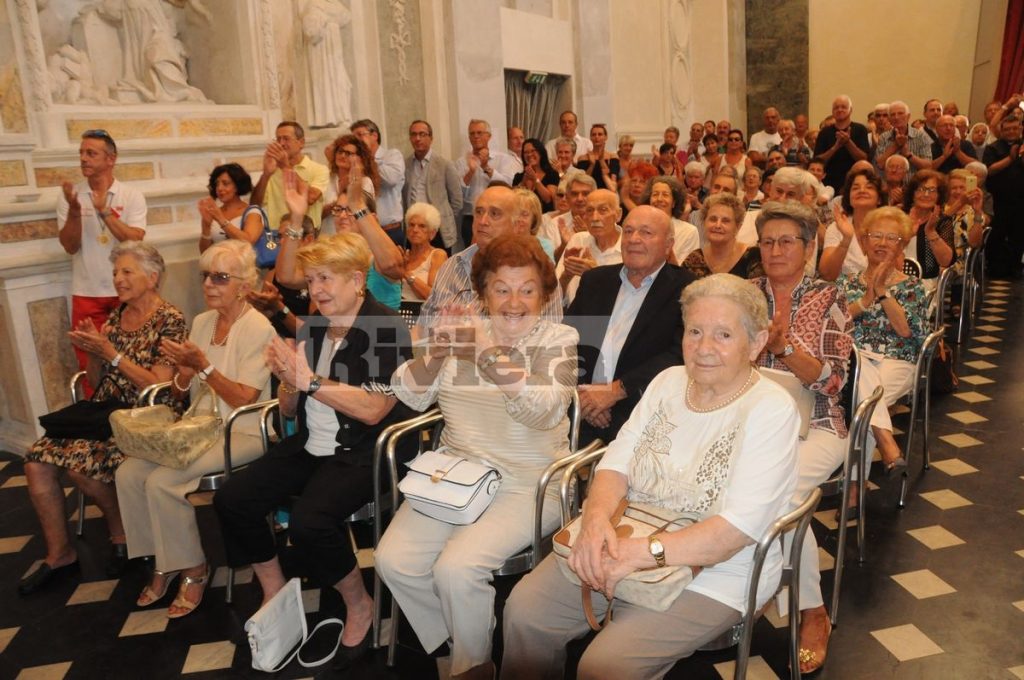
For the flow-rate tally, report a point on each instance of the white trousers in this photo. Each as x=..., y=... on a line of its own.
x=896, y=378
x=440, y=574
x=158, y=518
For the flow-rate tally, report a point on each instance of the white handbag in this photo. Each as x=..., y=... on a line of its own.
x=449, y=488
x=279, y=626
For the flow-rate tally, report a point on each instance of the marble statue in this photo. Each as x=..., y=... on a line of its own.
x=153, y=66
x=71, y=78
x=330, y=90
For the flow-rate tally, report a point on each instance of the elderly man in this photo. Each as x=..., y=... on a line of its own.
x=492, y=217
x=629, y=321
x=1006, y=183
x=285, y=153
x=568, y=124
x=599, y=245
x=950, y=153
x=516, y=137
x=788, y=184
x=719, y=183
x=92, y=217
x=801, y=125
x=429, y=178
x=882, y=124
x=896, y=175
x=909, y=142
x=931, y=112
x=477, y=168
x=723, y=131
x=578, y=187
x=391, y=168
x=841, y=144
x=762, y=141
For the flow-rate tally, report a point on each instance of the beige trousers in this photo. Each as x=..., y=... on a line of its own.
x=158, y=518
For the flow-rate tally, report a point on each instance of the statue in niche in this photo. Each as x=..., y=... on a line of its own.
x=153, y=66
x=330, y=90
x=71, y=79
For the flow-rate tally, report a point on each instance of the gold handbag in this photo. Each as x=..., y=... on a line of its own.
x=151, y=433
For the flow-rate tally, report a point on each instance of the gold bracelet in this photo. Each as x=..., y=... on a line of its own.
x=287, y=390
x=174, y=381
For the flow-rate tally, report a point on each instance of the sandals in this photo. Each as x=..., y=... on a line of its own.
x=897, y=465
x=808, y=656
x=182, y=602
x=149, y=596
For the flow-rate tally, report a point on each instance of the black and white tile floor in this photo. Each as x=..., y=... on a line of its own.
x=940, y=596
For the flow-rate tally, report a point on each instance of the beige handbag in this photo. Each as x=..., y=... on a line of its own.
x=151, y=433
x=655, y=588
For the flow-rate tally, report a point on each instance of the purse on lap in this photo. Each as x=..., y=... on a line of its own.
x=449, y=488
x=85, y=419
x=279, y=626
x=151, y=432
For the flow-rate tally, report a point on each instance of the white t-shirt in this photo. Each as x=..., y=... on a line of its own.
x=686, y=239
x=321, y=419
x=90, y=266
x=663, y=441
x=856, y=261
x=583, y=239
x=763, y=142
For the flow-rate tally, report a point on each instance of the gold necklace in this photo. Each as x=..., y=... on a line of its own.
x=736, y=395
x=224, y=341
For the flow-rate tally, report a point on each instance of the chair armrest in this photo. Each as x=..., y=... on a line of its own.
x=385, y=450
x=589, y=456
x=229, y=423
x=541, y=493
x=73, y=385
x=149, y=395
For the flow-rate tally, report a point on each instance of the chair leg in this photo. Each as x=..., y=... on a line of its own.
x=840, y=551
x=904, y=480
x=927, y=421
x=396, y=615
x=229, y=590
x=80, y=526
x=862, y=489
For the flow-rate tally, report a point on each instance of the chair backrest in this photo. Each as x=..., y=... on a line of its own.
x=911, y=267
x=923, y=365
x=942, y=290
x=409, y=310
x=848, y=400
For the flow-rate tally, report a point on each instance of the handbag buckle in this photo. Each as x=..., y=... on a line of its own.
x=438, y=476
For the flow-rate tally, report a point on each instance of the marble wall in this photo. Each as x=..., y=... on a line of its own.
x=402, y=71
x=777, y=59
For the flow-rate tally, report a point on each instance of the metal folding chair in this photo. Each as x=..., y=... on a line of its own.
x=921, y=384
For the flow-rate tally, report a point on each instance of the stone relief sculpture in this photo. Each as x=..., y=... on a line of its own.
x=151, y=66
x=329, y=87
x=682, y=82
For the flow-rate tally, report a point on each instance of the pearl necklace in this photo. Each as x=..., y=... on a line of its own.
x=224, y=341
x=740, y=392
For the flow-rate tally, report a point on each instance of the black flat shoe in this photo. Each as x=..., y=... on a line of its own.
x=117, y=560
x=43, y=575
x=345, y=657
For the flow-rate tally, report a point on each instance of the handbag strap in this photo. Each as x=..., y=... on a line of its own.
x=263, y=217
x=319, y=662
x=588, y=610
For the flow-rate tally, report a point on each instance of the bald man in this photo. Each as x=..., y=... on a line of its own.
x=842, y=143
x=762, y=141
x=598, y=245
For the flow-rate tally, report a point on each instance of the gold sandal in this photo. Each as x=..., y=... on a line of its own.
x=182, y=602
x=807, y=656
x=149, y=596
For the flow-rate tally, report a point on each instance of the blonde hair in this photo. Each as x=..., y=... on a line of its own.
x=528, y=201
x=752, y=302
x=344, y=253
x=241, y=255
x=892, y=213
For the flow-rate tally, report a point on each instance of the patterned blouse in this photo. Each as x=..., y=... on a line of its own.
x=819, y=324
x=872, y=330
x=747, y=267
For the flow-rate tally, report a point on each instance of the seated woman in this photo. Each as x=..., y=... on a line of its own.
x=735, y=155
x=795, y=151
x=931, y=240
x=600, y=163
x=343, y=154
x=809, y=336
x=538, y=176
x=888, y=309
x=512, y=417
x=842, y=254
x=666, y=194
x=422, y=260
x=631, y=192
x=752, y=195
x=721, y=217
x=692, y=425
x=693, y=183
x=228, y=183
x=340, y=390
x=565, y=156
x=625, y=154
x=966, y=209
x=529, y=220
x=123, y=360
x=224, y=350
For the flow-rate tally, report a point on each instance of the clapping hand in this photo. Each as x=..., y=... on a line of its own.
x=71, y=196
x=186, y=354
x=268, y=300
x=86, y=338
x=287, y=361
x=844, y=224
x=296, y=195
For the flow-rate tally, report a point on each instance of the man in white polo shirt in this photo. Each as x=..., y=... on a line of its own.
x=94, y=216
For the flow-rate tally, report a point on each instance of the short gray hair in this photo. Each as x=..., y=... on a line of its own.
x=580, y=178
x=978, y=168
x=428, y=212
x=798, y=213
x=795, y=177
x=731, y=201
x=148, y=257
x=752, y=302
x=565, y=141
x=900, y=104
x=897, y=158
x=694, y=166
x=479, y=121
x=240, y=253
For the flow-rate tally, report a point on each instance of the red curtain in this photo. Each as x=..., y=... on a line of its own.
x=1011, y=64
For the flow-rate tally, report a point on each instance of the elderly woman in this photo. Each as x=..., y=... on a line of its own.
x=666, y=194
x=123, y=360
x=339, y=388
x=625, y=154
x=889, y=319
x=538, y=176
x=225, y=207
x=809, y=337
x=422, y=260
x=348, y=157
x=861, y=193
x=931, y=241
x=528, y=219
x=721, y=216
x=966, y=209
x=693, y=183
x=513, y=418
x=752, y=195
x=631, y=192
x=224, y=350
x=791, y=146
x=565, y=155
x=715, y=413
x=600, y=163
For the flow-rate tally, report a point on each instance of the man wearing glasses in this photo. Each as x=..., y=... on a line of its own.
x=286, y=153
x=93, y=216
x=430, y=178
x=477, y=168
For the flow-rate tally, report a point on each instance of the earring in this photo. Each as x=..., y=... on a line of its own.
x=360, y=292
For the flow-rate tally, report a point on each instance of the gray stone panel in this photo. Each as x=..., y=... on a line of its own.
x=51, y=321
x=777, y=55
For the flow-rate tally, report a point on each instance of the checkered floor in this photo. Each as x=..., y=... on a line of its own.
x=940, y=596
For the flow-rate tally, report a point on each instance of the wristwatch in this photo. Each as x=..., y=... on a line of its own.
x=314, y=384
x=205, y=373
x=786, y=351
x=360, y=214
x=488, y=360
x=881, y=298
x=116, y=361
x=657, y=549
x=281, y=314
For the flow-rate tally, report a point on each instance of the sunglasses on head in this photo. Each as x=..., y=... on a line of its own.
x=99, y=134
x=217, y=278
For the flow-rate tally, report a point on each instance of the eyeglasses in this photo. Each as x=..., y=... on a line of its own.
x=784, y=242
x=217, y=278
x=888, y=238
x=341, y=209
x=928, y=191
x=419, y=134
x=346, y=152
x=735, y=139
